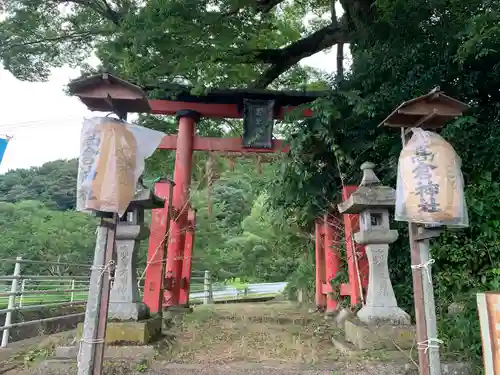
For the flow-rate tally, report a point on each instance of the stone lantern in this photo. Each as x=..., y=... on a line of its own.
x=125, y=301
x=372, y=202
x=129, y=321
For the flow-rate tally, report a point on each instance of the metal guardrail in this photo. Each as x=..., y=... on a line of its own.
x=35, y=292
x=221, y=291
x=18, y=289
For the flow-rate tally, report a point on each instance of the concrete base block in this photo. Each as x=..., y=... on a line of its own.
x=139, y=333
x=128, y=311
x=379, y=337
x=381, y=315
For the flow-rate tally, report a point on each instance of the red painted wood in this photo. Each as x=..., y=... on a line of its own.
x=167, y=107
x=351, y=225
x=156, y=250
x=320, y=268
x=332, y=261
x=178, y=225
x=326, y=288
x=187, y=261
x=345, y=289
x=222, y=145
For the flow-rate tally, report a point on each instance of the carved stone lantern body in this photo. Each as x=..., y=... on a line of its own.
x=125, y=301
x=372, y=202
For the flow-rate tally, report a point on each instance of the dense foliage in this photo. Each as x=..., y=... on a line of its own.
x=399, y=50
x=53, y=184
x=32, y=231
x=238, y=238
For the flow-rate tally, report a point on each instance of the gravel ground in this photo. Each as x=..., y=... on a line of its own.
x=249, y=339
x=160, y=368
x=259, y=369
x=52, y=368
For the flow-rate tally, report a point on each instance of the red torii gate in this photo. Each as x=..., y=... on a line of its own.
x=328, y=263
x=107, y=93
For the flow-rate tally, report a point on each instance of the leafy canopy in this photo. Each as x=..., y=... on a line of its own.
x=225, y=42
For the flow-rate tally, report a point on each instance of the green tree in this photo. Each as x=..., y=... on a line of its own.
x=225, y=43
x=53, y=183
x=31, y=230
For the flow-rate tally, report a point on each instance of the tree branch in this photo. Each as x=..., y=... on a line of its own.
x=340, y=62
x=340, y=31
x=110, y=13
x=54, y=39
x=264, y=6
x=102, y=8
x=283, y=59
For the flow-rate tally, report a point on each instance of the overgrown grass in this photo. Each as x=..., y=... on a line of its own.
x=279, y=332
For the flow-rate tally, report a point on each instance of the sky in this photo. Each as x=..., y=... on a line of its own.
x=45, y=123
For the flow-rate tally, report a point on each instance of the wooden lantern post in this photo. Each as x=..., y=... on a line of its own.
x=431, y=112
x=110, y=94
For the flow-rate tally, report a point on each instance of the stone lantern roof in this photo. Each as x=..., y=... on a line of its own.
x=145, y=198
x=370, y=194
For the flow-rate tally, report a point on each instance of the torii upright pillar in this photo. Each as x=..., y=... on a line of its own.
x=180, y=205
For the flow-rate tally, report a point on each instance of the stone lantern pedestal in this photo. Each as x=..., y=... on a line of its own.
x=380, y=323
x=129, y=321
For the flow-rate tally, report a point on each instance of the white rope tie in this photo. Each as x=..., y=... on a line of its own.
x=88, y=342
x=92, y=341
x=431, y=343
x=105, y=268
x=425, y=266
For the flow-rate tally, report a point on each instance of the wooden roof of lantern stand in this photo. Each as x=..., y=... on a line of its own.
x=107, y=93
x=429, y=111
